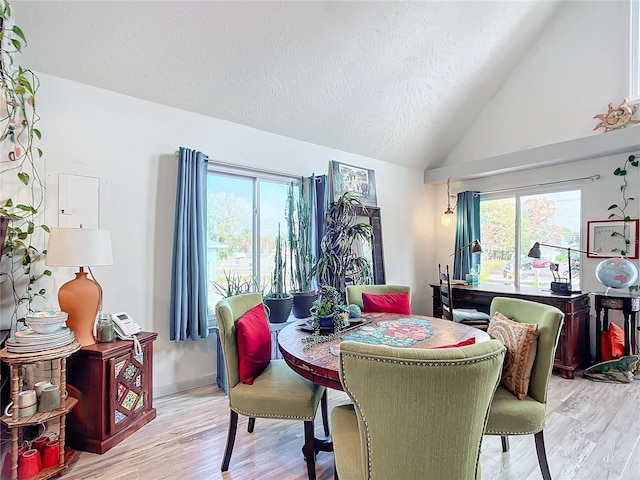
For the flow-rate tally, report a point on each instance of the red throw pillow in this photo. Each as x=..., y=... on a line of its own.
x=468, y=341
x=254, y=344
x=605, y=344
x=616, y=337
x=386, y=302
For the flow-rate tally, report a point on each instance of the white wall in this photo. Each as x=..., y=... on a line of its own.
x=130, y=144
x=578, y=66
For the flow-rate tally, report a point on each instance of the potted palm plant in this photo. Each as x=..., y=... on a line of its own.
x=338, y=264
x=278, y=300
x=300, y=255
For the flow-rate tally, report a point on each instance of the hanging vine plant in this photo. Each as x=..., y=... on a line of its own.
x=19, y=162
x=620, y=210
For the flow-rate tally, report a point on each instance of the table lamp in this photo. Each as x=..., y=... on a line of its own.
x=475, y=248
x=81, y=297
x=561, y=288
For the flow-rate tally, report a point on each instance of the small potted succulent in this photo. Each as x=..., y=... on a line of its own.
x=327, y=311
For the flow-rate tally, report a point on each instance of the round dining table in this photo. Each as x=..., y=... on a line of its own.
x=320, y=362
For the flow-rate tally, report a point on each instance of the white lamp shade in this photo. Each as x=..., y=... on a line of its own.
x=79, y=247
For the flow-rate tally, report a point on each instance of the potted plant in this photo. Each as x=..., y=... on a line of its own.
x=278, y=300
x=20, y=176
x=237, y=284
x=338, y=263
x=327, y=311
x=300, y=255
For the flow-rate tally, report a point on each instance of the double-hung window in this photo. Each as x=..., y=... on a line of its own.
x=634, y=60
x=244, y=211
x=510, y=225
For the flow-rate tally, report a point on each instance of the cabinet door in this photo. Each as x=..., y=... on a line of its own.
x=129, y=389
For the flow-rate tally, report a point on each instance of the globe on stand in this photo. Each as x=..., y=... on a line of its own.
x=616, y=273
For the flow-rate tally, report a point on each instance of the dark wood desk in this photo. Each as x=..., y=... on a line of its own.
x=629, y=305
x=573, y=347
x=320, y=366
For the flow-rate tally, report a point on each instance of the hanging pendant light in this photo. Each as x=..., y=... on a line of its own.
x=448, y=218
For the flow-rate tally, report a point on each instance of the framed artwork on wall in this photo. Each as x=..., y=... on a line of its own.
x=606, y=238
x=360, y=182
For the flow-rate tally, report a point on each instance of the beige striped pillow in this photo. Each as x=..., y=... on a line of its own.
x=521, y=340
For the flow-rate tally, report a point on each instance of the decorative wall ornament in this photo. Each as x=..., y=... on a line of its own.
x=618, y=117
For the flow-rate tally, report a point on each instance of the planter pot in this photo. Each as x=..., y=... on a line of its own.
x=326, y=322
x=279, y=308
x=302, y=302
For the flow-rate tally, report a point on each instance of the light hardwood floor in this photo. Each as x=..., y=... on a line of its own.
x=592, y=433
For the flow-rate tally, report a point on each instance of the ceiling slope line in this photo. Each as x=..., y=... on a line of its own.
x=594, y=146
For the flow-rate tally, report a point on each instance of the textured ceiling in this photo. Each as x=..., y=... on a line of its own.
x=397, y=81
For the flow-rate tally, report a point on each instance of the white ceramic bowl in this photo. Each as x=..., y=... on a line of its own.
x=46, y=322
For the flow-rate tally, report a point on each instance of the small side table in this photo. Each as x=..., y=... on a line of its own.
x=629, y=305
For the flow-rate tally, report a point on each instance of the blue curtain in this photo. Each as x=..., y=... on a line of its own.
x=467, y=230
x=188, y=315
x=316, y=186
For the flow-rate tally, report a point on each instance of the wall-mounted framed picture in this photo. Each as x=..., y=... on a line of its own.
x=606, y=238
x=360, y=182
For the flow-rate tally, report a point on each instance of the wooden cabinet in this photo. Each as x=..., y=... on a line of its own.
x=573, y=346
x=17, y=361
x=114, y=387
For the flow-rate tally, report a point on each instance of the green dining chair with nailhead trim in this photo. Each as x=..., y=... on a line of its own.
x=278, y=392
x=416, y=413
x=354, y=292
x=508, y=414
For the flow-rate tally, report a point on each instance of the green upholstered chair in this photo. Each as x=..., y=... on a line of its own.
x=278, y=392
x=508, y=415
x=416, y=413
x=354, y=292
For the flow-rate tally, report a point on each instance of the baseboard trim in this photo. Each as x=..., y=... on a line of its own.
x=172, y=388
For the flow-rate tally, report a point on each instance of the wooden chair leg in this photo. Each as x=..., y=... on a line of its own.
x=308, y=450
x=251, y=425
x=505, y=443
x=542, y=455
x=231, y=438
x=325, y=413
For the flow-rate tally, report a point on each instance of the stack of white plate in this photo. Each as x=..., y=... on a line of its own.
x=30, y=341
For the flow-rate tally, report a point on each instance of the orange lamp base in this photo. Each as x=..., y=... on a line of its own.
x=80, y=298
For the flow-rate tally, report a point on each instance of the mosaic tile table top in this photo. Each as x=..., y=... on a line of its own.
x=320, y=363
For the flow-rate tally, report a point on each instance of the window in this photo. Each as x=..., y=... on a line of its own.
x=244, y=211
x=509, y=226
x=634, y=61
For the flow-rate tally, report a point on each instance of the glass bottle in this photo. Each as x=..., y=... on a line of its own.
x=105, y=329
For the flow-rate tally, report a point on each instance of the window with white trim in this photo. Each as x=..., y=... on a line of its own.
x=244, y=210
x=634, y=61
x=509, y=226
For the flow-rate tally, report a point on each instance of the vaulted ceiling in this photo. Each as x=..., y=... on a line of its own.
x=397, y=81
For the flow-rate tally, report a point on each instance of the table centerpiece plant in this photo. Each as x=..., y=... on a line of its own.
x=327, y=311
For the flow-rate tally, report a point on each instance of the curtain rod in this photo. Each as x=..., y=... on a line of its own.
x=250, y=169
x=593, y=178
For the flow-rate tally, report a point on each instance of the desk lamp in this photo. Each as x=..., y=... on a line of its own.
x=475, y=248
x=81, y=297
x=561, y=288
